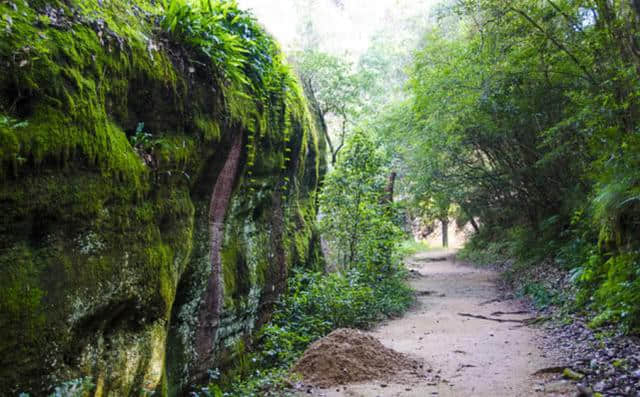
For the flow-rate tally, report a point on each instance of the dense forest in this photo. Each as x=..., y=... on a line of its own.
x=188, y=204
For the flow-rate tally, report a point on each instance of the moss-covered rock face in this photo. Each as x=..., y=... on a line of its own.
x=115, y=125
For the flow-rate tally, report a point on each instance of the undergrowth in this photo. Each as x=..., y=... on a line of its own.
x=315, y=305
x=597, y=281
x=411, y=247
x=484, y=253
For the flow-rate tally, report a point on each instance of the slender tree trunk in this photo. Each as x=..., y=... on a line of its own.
x=445, y=232
x=209, y=311
x=474, y=224
x=471, y=220
x=388, y=190
x=355, y=232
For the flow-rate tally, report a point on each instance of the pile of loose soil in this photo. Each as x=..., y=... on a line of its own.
x=350, y=356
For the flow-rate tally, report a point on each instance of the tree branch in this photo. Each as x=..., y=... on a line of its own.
x=560, y=46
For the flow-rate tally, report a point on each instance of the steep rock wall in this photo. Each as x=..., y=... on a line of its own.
x=124, y=149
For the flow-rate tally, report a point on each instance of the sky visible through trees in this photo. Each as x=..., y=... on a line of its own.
x=343, y=26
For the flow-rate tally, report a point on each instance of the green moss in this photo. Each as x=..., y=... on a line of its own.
x=68, y=80
x=210, y=128
x=101, y=235
x=106, y=254
x=229, y=260
x=20, y=298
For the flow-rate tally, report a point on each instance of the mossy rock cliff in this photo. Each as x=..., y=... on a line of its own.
x=119, y=121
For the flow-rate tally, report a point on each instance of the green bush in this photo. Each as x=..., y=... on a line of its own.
x=540, y=294
x=607, y=283
x=315, y=305
x=610, y=285
x=482, y=251
x=319, y=303
x=393, y=296
x=411, y=247
x=359, y=222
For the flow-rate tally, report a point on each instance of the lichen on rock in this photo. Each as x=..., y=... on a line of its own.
x=114, y=129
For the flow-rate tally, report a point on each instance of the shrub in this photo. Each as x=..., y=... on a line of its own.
x=315, y=305
x=358, y=221
x=616, y=282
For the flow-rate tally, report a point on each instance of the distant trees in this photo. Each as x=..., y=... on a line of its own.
x=335, y=93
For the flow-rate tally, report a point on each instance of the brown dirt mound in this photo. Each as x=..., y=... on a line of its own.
x=350, y=356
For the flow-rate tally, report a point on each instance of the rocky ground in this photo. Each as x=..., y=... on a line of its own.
x=600, y=361
x=594, y=361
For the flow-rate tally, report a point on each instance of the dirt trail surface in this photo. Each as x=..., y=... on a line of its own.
x=472, y=356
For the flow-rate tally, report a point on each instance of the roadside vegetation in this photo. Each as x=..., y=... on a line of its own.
x=524, y=117
x=315, y=305
x=361, y=224
x=363, y=284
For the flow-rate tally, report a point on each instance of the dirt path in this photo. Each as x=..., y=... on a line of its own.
x=475, y=357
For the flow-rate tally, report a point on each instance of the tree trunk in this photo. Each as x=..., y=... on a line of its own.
x=445, y=232
x=474, y=224
x=209, y=311
x=388, y=190
x=471, y=220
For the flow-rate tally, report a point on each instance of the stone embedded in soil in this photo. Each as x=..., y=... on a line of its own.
x=351, y=356
x=573, y=375
x=609, y=364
